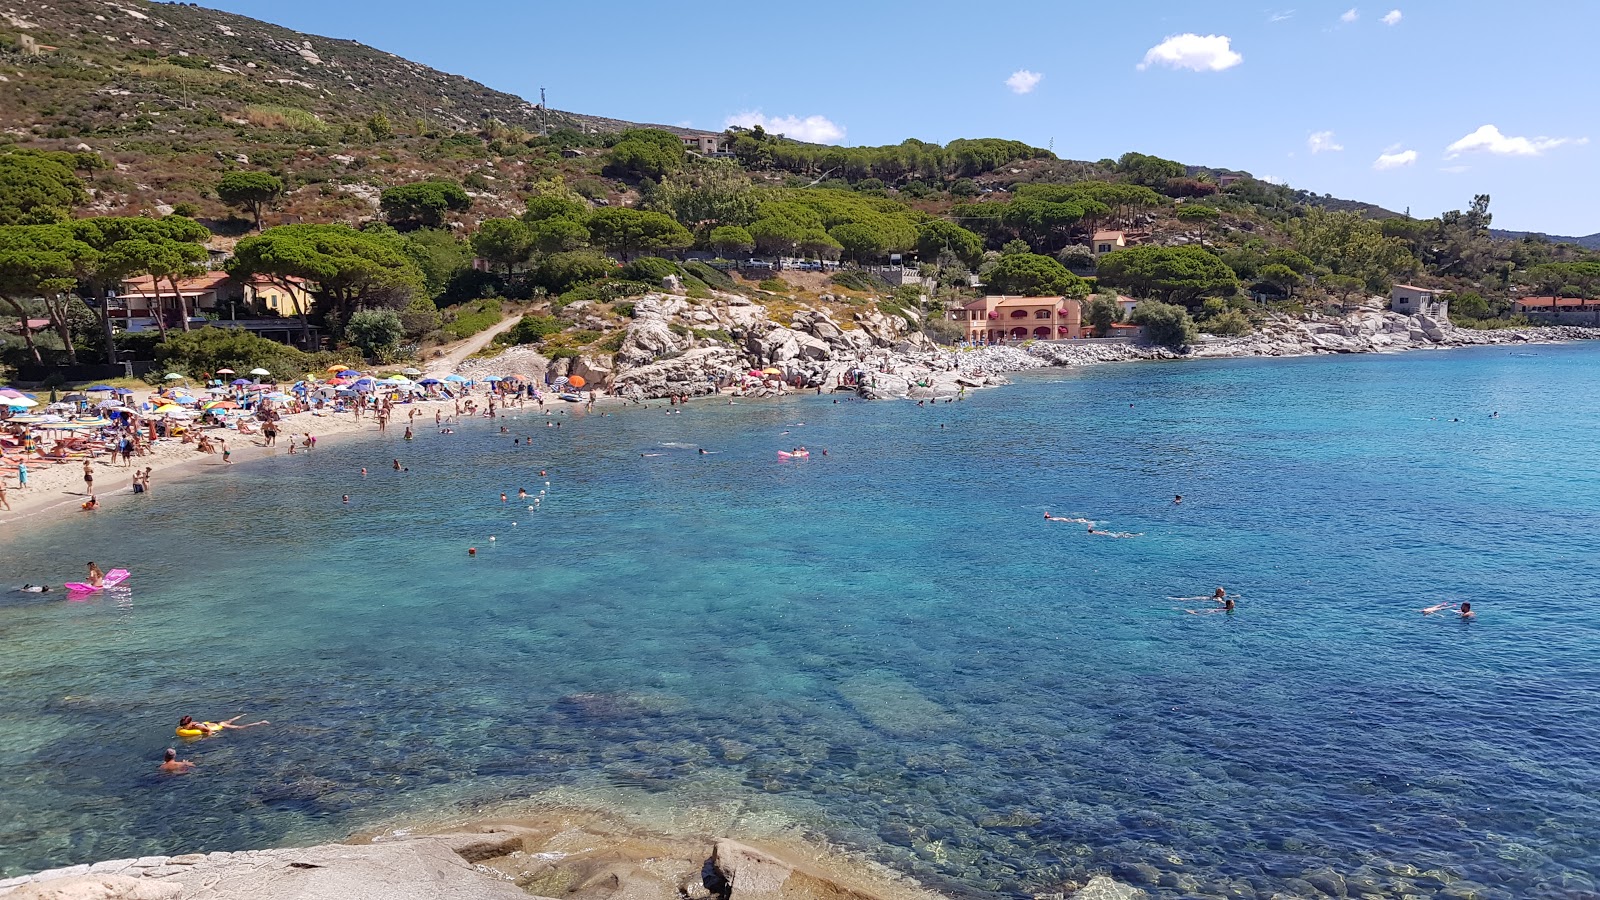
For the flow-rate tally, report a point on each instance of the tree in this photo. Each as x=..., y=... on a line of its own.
x=249, y=191
x=860, y=243
x=939, y=236
x=379, y=127
x=1076, y=256
x=559, y=272
x=37, y=188
x=630, y=231
x=1176, y=274
x=1341, y=286
x=1030, y=274
x=1195, y=214
x=712, y=193
x=1101, y=312
x=377, y=332
x=438, y=253
x=1281, y=277
x=166, y=249
x=550, y=206
x=504, y=243
x=348, y=269
x=42, y=261
x=420, y=317
x=646, y=153
x=1149, y=171
x=1349, y=244
x=422, y=204
x=558, y=235
x=1164, y=323
x=731, y=240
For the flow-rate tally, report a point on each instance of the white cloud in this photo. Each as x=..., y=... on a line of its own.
x=1284, y=16
x=813, y=129
x=1394, y=158
x=1350, y=15
x=1208, y=53
x=1393, y=17
x=1023, y=81
x=1322, y=142
x=1489, y=140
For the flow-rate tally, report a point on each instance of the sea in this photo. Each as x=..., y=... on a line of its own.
x=887, y=645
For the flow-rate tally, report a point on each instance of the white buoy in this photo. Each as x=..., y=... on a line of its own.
x=491, y=537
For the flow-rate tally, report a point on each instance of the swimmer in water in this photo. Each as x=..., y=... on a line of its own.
x=1439, y=607
x=397, y=465
x=1466, y=611
x=35, y=589
x=522, y=493
x=172, y=765
x=1177, y=499
x=347, y=498
x=97, y=578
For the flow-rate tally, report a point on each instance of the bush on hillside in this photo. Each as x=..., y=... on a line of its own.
x=561, y=272
x=1164, y=323
x=858, y=281
x=468, y=319
x=530, y=330
x=1229, y=323
x=203, y=351
x=649, y=269
x=376, y=332
x=714, y=278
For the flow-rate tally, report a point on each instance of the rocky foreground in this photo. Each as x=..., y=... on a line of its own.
x=677, y=346
x=577, y=856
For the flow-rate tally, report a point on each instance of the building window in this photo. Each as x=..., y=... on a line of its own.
x=1042, y=314
x=1105, y=248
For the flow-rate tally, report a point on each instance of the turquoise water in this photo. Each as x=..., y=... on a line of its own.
x=889, y=644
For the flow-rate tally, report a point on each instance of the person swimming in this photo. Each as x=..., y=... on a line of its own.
x=172, y=765
x=1177, y=499
x=1050, y=518
x=35, y=589
x=1466, y=611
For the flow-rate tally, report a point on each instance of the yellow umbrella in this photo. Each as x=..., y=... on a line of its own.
x=337, y=367
x=170, y=407
x=770, y=371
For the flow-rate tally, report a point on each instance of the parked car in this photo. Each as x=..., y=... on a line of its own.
x=757, y=264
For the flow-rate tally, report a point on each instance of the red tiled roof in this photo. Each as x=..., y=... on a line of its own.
x=145, y=284
x=1108, y=235
x=1557, y=302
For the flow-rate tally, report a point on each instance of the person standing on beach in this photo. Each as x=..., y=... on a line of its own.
x=22, y=475
x=88, y=478
x=227, y=454
x=146, y=479
x=4, y=503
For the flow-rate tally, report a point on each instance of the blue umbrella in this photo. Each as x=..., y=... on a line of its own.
x=123, y=392
x=240, y=382
x=494, y=378
x=99, y=388
x=456, y=378
x=430, y=381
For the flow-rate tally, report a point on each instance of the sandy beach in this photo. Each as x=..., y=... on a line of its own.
x=58, y=488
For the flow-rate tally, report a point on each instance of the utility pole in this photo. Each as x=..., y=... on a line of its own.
x=544, y=116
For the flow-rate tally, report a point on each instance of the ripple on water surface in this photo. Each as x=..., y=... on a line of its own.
x=889, y=644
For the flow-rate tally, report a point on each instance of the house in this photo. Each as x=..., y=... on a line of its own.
x=1410, y=300
x=703, y=144
x=1108, y=242
x=992, y=320
x=1125, y=304
x=1225, y=180
x=142, y=299
x=1559, y=310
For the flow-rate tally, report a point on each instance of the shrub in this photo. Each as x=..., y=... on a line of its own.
x=612, y=342
x=206, y=350
x=858, y=281
x=714, y=278
x=560, y=272
x=531, y=330
x=468, y=319
x=775, y=285
x=603, y=292
x=650, y=269
x=1229, y=323
x=1164, y=323
x=376, y=332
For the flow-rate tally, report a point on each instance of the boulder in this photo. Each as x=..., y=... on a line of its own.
x=647, y=338
x=595, y=370
x=672, y=284
x=96, y=887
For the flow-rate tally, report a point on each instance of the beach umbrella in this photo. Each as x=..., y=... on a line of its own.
x=173, y=376
x=123, y=392
x=169, y=408
x=429, y=382
x=397, y=379
x=180, y=414
x=51, y=420
x=338, y=367
x=99, y=389
x=19, y=402
x=221, y=404
x=278, y=396
x=410, y=371
x=259, y=371
x=454, y=378
x=224, y=372
x=492, y=379
x=240, y=382
x=576, y=381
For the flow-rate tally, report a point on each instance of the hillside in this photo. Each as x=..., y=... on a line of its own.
x=177, y=94
x=1591, y=242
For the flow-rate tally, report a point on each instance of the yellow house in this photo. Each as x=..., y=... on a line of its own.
x=1108, y=242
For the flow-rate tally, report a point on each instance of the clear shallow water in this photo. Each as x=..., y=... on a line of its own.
x=889, y=643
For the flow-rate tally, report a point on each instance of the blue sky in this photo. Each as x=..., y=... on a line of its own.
x=1404, y=104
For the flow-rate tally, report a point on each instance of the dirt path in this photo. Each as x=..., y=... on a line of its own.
x=441, y=366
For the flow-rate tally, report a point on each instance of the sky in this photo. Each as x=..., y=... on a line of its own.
x=1410, y=104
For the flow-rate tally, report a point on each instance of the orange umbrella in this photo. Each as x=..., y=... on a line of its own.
x=337, y=367
x=576, y=381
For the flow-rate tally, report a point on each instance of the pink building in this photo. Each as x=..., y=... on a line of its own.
x=1000, y=318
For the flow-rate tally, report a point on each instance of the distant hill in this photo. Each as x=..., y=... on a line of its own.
x=1591, y=242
